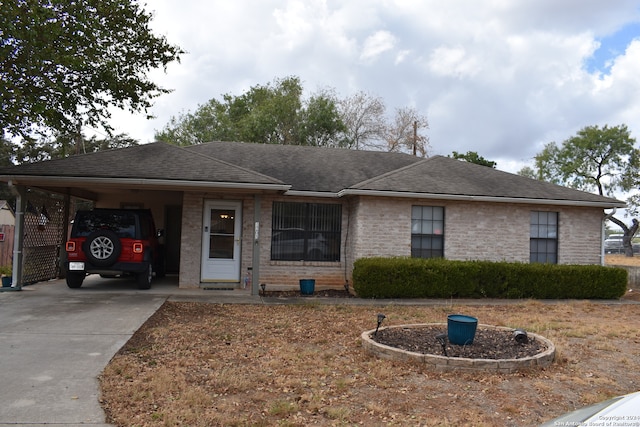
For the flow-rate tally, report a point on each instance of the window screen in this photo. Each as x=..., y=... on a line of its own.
x=306, y=231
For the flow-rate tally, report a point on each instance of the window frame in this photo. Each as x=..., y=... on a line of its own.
x=427, y=228
x=543, y=236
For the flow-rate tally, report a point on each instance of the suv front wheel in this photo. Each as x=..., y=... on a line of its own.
x=144, y=278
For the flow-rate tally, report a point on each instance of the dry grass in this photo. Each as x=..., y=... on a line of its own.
x=202, y=364
x=621, y=260
x=617, y=259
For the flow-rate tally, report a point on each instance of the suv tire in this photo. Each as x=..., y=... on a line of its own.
x=144, y=278
x=160, y=269
x=103, y=248
x=74, y=280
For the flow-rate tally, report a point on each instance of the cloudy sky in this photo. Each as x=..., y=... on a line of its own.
x=499, y=77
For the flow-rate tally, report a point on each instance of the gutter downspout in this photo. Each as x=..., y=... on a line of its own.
x=602, y=234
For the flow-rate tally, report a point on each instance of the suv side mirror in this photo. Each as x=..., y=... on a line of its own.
x=159, y=233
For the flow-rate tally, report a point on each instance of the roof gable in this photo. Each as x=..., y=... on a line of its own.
x=440, y=175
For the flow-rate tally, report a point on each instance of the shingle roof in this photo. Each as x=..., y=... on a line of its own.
x=317, y=169
x=148, y=161
x=333, y=171
x=446, y=176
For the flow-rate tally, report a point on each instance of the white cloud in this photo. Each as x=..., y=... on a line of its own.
x=500, y=78
x=453, y=62
x=376, y=44
x=619, y=91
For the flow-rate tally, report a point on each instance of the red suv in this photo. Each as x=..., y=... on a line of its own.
x=114, y=242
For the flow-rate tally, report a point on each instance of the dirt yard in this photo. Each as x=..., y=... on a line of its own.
x=254, y=365
x=201, y=364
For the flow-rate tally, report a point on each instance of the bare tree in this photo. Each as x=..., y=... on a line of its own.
x=363, y=117
x=403, y=132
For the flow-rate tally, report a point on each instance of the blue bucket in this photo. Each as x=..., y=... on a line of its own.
x=461, y=329
x=307, y=286
x=6, y=281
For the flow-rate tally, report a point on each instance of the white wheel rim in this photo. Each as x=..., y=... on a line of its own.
x=101, y=247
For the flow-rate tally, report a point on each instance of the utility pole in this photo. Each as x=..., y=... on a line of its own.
x=415, y=136
x=79, y=140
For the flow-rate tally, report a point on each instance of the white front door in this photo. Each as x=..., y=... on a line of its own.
x=221, y=231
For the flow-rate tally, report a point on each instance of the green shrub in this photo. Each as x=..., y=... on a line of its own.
x=5, y=270
x=440, y=278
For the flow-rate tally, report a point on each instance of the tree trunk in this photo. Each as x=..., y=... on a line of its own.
x=629, y=232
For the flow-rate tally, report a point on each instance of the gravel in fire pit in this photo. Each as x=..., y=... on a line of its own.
x=487, y=343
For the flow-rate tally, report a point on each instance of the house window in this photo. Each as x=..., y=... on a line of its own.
x=544, y=237
x=427, y=231
x=306, y=231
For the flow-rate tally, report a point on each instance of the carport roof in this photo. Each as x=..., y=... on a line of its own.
x=148, y=164
x=152, y=161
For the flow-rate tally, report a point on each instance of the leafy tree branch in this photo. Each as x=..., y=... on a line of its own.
x=63, y=63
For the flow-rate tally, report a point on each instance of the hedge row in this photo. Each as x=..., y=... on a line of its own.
x=440, y=278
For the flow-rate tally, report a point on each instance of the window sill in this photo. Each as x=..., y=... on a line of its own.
x=307, y=263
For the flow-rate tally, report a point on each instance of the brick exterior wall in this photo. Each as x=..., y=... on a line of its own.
x=191, y=244
x=581, y=237
x=474, y=230
x=381, y=227
x=376, y=226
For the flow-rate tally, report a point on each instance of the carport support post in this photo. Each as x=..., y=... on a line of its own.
x=255, y=256
x=65, y=234
x=18, y=238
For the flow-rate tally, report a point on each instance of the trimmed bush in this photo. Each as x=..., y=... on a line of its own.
x=440, y=278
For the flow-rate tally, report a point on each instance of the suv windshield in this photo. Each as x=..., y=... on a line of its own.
x=122, y=223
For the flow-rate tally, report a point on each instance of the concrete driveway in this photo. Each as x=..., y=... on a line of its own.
x=55, y=341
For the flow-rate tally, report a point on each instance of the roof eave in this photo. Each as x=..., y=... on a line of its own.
x=141, y=182
x=491, y=199
x=301, y=193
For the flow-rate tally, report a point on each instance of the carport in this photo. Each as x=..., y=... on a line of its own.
x=152, y=176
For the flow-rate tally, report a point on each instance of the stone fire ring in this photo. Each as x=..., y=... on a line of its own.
x=461, y=364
